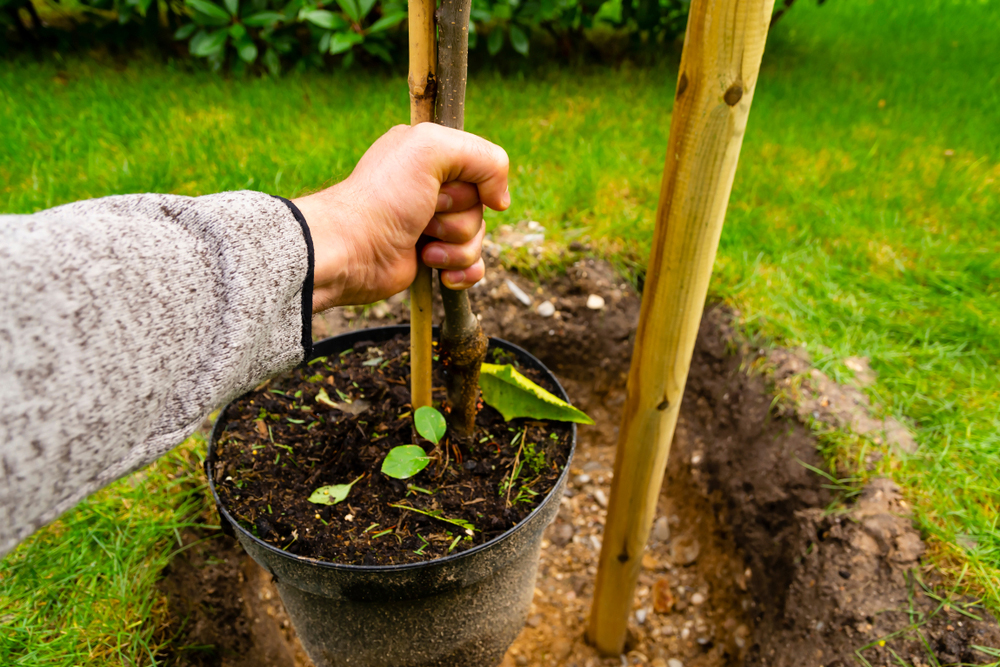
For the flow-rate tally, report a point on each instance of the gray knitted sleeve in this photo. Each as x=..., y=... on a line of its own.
x=123, y=322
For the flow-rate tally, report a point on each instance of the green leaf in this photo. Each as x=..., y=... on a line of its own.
x=430, y=423
x=405, y=461
x=365, y=6
x=208, y=43
x=324, y=19
x=514, y=395
x=263, y=20
x=386, y=22
x=324, y=44
x=518, y=39
x=209, y=9
x=495, y=42
x=237, y=32
x=232, y=6
x=378, y=50
x=272, y=62
x=481, y=15
x=247, y=50
x=343, y=41
x=185, y=31
x=351, y=8
x=333, y=494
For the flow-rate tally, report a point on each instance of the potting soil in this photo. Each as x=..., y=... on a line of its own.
x=280, y=443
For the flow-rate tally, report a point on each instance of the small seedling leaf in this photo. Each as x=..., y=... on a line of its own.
x=430, y=423
x=405, y=461
x=333, y=494
x=514, y=395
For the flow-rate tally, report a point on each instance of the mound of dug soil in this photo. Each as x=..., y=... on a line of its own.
x=744, y=567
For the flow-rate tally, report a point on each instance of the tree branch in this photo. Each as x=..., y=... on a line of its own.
x=463, y=343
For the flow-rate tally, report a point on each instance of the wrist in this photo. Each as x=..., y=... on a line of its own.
x=323, y=214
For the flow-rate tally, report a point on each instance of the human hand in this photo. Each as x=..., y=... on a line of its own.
x=425, y=179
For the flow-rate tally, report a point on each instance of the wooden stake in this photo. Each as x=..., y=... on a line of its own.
x=422, y=89
x=718, y=73
x=463, y=343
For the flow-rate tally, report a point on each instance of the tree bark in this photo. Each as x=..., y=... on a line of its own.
x=463, y=343
x=422, y=93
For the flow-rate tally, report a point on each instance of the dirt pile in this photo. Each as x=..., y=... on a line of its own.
x=745, y=566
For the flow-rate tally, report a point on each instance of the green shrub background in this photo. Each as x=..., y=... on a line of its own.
x=277, y=35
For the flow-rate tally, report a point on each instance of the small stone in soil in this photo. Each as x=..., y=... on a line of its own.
x=595, y=302
x=697, y=599
x=674, y=662
x=663, y=600
x=685, y=552
x=582, y=479
x=601, y=498
x=661, y=529
x=518, y=292
x=562, y=533
x=546, y=309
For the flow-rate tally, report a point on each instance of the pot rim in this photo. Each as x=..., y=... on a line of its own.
x=445, y=560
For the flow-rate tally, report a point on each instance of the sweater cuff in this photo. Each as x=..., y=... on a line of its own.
x=307, y=285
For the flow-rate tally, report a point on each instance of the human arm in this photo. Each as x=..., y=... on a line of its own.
x=124, y=321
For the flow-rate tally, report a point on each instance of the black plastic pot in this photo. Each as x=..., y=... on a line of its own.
x=461, y=610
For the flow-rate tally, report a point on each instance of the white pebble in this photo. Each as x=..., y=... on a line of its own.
x=674, y=662
x=640, y=616
x=595, y=302
x=518, y=292
x=697, y=598
x=582, y=479
x=601, y=498
x=546, y=309
x=661, y=530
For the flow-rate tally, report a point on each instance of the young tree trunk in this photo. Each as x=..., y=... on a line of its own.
x=463, y=344
x=422, y=92
x=718, y=73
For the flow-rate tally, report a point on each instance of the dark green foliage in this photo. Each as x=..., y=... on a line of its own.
x=247, y=32
x=271, y=35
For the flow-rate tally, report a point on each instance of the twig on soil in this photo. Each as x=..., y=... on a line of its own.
x=436, y=514
x=514, y=471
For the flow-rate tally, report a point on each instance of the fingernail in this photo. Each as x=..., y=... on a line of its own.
x=435, y=256
x=451, y=282
x=434, y=228
x=444, y=202
x=506, y=198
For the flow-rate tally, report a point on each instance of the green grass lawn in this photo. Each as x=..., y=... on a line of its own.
x=864, y=221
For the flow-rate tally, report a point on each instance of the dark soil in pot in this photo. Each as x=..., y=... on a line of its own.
x=279, y=444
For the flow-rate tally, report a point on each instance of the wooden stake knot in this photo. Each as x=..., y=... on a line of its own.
x=734, y=93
